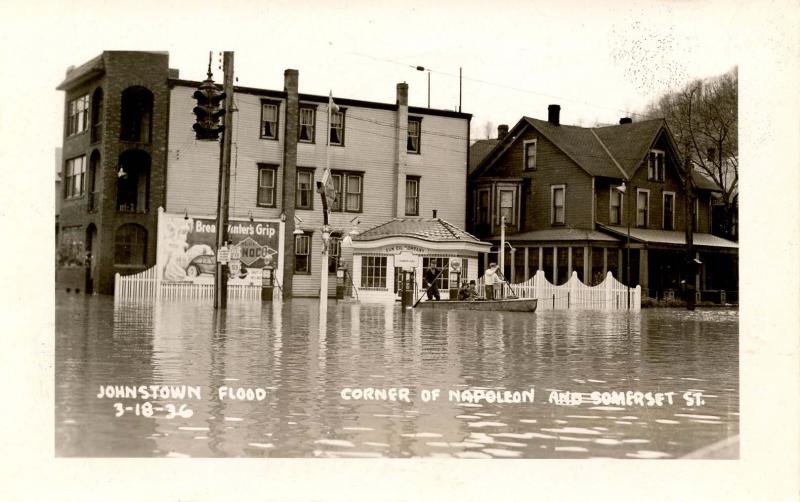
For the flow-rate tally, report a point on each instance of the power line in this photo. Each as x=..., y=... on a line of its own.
x=505, y=86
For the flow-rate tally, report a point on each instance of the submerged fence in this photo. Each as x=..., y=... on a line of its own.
x=145, y=286
x=608, y=295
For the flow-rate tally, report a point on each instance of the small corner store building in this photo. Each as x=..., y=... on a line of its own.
x=377, y=252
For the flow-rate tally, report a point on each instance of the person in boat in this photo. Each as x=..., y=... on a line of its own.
x=490, y=280
x=430, y=276
x=467, y=291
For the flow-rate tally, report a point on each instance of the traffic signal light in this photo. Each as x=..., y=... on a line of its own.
x=208, y=111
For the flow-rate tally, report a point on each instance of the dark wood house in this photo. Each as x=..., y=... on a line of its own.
x=583, y=199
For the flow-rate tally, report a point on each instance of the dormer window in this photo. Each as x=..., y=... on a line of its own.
x=655, y=165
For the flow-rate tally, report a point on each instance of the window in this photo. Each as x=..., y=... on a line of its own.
x=348, y=187
x=483, y=207
x=530, y=155
x=615, y=206
x=269, y=119
x=97, y=114
x=302, y=252
x=266, y=185
x=443, y=264
x=669, y=211
x=134, y=183
x=305, y=191
x=507, y=206
x=78, y=115
x=414, y=128
x=557, y=197
x=642, y=207
x=137, y=113
x=655, y=165
x=337, y=128
x=130, y=245
x=412, y=195
x=74, y=183
x=334, y=252
x=373, y=272
x=307, y=120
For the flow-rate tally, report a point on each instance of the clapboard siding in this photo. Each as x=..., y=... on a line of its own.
x=371, y=139
x=442, y=167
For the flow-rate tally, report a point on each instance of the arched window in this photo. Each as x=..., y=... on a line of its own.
x=137, y=114
x=133, y=182
x=97, y=114
x=94, y=168
x=130, y=245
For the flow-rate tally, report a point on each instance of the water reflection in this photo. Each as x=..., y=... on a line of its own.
x=303, y=357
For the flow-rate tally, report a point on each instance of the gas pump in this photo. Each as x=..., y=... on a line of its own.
x=407, y=281
x=341, y=273
x=267, y=283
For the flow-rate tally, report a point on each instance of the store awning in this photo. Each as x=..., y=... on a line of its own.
x=669, y=237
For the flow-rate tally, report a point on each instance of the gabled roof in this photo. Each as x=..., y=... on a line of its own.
x=611, y=151
x=479, y=150
x=629, y=143
x=427, y=229
x=702, y=182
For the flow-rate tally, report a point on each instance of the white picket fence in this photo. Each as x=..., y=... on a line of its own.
x=608, y=295
x=144, y=286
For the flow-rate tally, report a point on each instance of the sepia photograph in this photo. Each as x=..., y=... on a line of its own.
x=414, y=235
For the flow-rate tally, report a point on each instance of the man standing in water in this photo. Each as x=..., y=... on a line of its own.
x=490, y=278
x=431, y=274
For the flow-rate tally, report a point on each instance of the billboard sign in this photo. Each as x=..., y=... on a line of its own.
x=187, y=247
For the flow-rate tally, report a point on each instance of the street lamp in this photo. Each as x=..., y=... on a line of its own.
x=422, y=68
x=298, y=230
x=622, y=189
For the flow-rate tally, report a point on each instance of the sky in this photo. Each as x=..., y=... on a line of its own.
x=598, y=60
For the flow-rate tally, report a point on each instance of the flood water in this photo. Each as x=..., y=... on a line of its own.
x=302, y=366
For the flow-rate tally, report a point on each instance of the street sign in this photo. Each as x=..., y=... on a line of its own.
x=223, y=255
x=235, y=266
x=406, y=260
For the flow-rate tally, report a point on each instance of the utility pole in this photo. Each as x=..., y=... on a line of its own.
x=221, y=277
x=691, y=273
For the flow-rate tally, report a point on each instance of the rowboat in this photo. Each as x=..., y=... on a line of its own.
x=506, y=304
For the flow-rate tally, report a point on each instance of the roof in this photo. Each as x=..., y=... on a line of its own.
x=702, y=182
x=557, y=234
x=427, y=229
x=673, y=237
x=479, y=150
x=581, y=145
x=611, y=151
x=89, y=69
x=629, y=143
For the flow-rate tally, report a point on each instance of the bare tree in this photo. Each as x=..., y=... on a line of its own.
x=703, y=117
x=488, y=129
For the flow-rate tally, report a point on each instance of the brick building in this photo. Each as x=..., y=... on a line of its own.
x=129, y=148
x=558, y=188
x=113, y=173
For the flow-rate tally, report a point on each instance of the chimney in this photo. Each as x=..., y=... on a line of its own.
x=402, y=94
x=70, y=68
x=502, y=131
x=434, y=214
x=552, y=114
x=625, y=120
